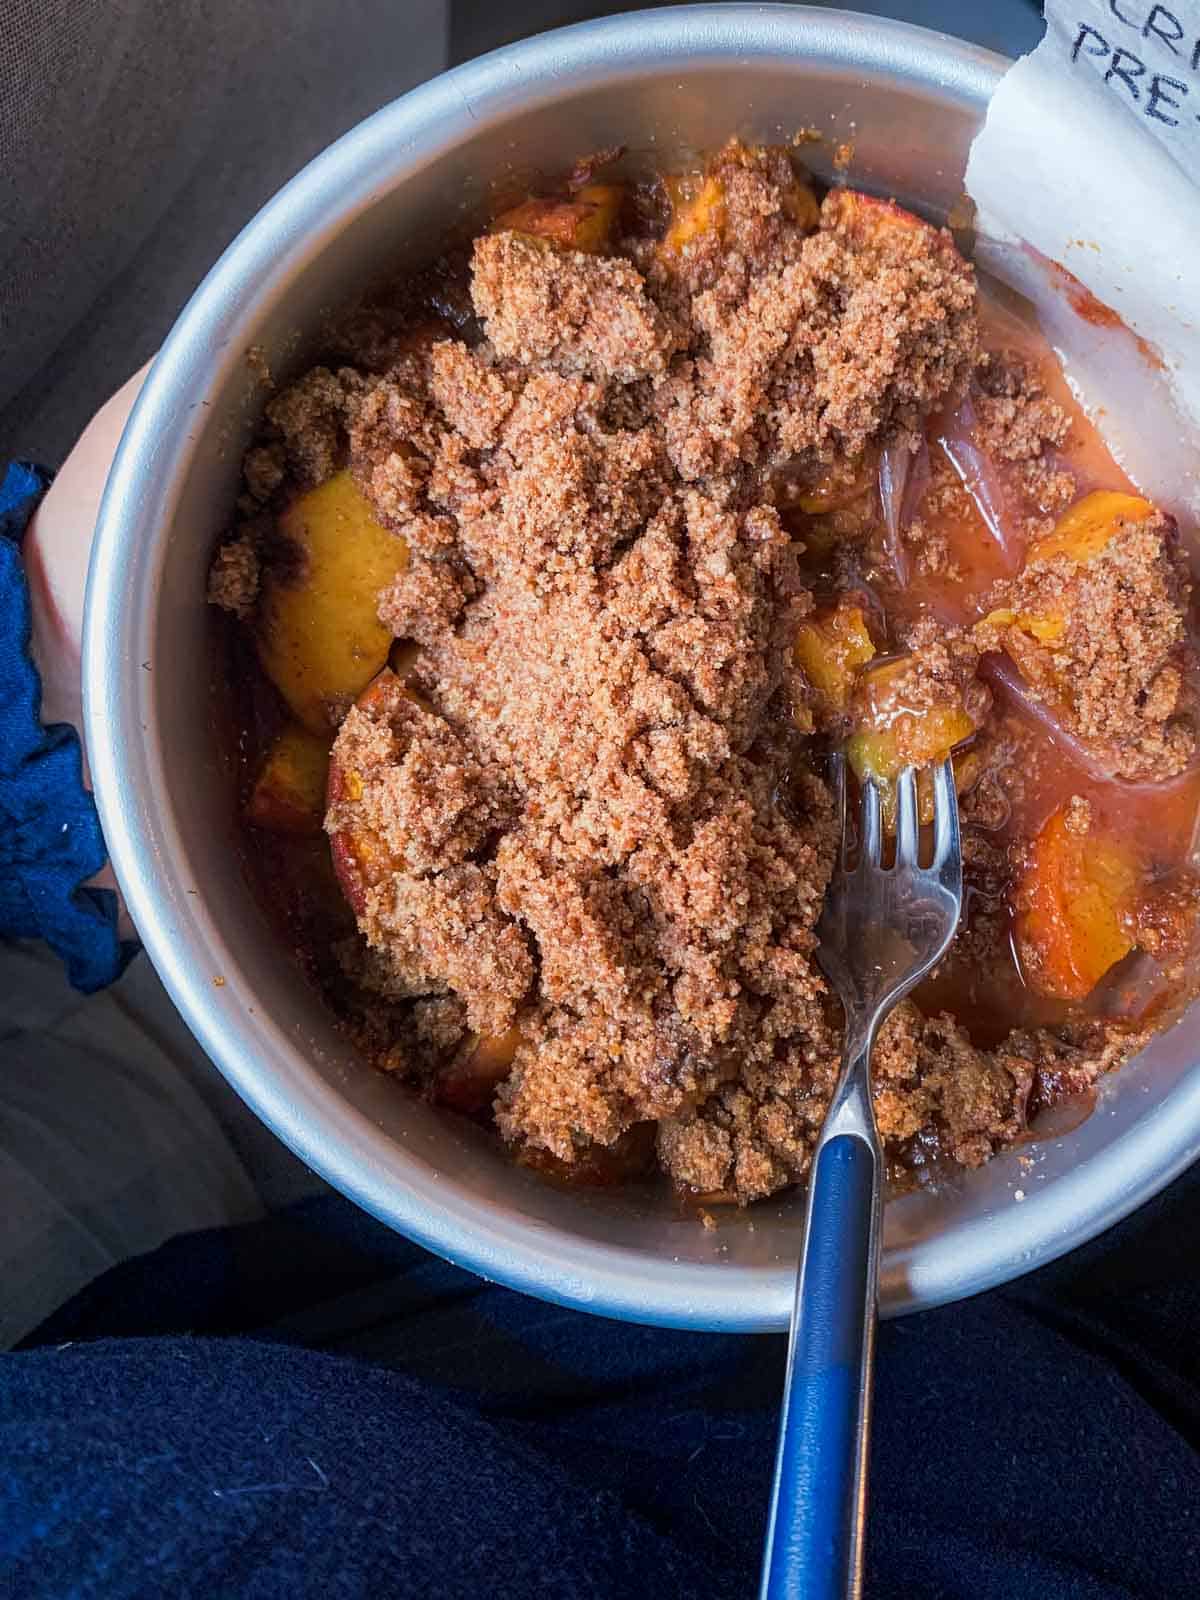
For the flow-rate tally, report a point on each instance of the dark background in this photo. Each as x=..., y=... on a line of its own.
x=1010, y=26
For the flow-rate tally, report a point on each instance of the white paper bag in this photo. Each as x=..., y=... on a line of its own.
x=1090, y=162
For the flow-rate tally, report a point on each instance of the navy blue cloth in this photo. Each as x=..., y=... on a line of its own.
x=50, y=839
x=310, y=1405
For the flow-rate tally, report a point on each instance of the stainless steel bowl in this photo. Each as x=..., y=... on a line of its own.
x=660, y=81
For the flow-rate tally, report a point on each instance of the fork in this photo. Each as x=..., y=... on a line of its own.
x=881, y=930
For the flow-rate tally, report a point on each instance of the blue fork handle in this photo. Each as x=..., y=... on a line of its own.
x=815, y=1531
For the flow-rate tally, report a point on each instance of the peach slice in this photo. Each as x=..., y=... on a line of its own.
x=863, y=756
x=585, y=223
x=470, y=1082
x=1074, y=909
x=872, y=754
x=835, y=489
x=599, y=1166
x=694, y=215
x=831, y=647
x=801, y=204
x=698, y=206
x=360, y=857
x=1046, y=629
x=891, y=738
x=872, y=223
x=319, y=638
x=1086, y=529
x=927, y=738
x=289, y=792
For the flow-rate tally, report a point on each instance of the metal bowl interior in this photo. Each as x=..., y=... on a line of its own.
x=662, y=83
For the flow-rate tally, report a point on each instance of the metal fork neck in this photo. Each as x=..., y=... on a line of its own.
x=850, y=1109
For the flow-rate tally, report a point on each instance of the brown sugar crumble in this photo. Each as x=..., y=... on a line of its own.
x=233, y=577
x=581, y=820
x=1114, y=673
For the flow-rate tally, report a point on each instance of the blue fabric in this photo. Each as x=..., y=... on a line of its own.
x=50, y=839
x=312, y=1406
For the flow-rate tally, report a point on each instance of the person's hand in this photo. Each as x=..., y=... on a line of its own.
x=55, y=552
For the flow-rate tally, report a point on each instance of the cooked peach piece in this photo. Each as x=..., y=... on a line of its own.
x=831, y=647
x=840, y=486
x=289, y=792
x=891, y=737
x=319, y=638
x=1046, y=629
x=869, y=221
x=874, y=753
x=895, y=735
x=694, y=215
x=1074, y=909
x=801, y=204
x=698, y=206
x=598, y=1166
x=360, y=857
x=968, y=768
x=470, y=1081
x=915, y=739
x=1087, y=527
x=585, y=223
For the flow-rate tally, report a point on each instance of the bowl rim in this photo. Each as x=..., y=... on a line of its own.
x=180, y=933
